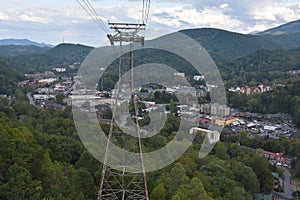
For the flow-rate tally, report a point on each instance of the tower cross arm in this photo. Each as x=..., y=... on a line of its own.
x=126, y=32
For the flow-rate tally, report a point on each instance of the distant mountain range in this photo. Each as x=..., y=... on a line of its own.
x=16, y=47
x=23, y=42
x=222, y=45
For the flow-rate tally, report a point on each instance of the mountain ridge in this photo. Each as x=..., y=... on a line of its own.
x=226, y=45
x=222, y=45
x=61, y=55
x=17, y=50
x=23, y=42
x=287, y=28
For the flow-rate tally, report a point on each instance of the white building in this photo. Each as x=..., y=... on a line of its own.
x=270, y=128
x=198, y=77
x=179, y=74
x=40, y=97
x=60, y=69
x=47, y=80
x=59, y=88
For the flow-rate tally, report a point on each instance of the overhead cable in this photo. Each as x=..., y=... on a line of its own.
x=86, y=5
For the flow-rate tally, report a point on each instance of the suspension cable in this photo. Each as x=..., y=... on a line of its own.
x=147, y=10
x=143, y=12
x=97, y=15
x=88, y=8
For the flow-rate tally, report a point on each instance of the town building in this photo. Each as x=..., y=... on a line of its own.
x=59, y=70
x=215, y=109
x=198, y=77
x=252, y=90
x=279, y=158
x=179, y=74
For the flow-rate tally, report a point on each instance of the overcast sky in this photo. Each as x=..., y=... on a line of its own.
x=51, y=21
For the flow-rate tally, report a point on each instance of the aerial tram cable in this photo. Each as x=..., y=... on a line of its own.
x=92, y=16
x=88, y=8
x=145, y=11
x=96, y=14
x=148, y=11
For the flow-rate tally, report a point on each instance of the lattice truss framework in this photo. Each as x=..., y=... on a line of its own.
x=116, y=183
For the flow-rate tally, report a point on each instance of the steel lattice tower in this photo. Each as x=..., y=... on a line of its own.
x=118, y=183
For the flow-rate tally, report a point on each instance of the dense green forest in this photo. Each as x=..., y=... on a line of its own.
x=42, y=157
x=9, y=77
x=261, y=67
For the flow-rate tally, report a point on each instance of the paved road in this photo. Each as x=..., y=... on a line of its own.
x=287, y=185
x=30, y=98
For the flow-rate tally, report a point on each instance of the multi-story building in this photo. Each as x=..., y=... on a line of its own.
x=215, y=109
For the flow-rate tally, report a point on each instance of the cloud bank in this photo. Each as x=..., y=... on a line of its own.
x=51, y=22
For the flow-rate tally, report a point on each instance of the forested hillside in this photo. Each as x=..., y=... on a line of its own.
x=263, y=66
x=42, y=157
x=291, y=27
x=45, y=58
x=9, y=77
x=223, y=45
x=17, y=50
